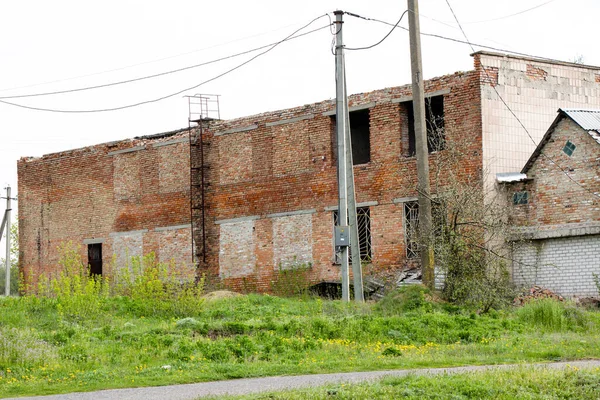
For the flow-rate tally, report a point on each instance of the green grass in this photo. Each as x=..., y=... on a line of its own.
x=520, y=383
x=43, y=350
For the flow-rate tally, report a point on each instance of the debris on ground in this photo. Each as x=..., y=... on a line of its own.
x=534, y=293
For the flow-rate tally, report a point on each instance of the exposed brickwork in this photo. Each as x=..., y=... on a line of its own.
x=101, y=193
x=554, y=198
x=534, y=72
x=272, y=163
x=560, y=216
x=293, y=169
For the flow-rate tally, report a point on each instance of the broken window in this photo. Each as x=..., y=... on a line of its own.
x=569, y=149
x=434, y=119
x=363, y=217
x=95, y=258
x=359, y=134
x=520, y=198
x=411, y=225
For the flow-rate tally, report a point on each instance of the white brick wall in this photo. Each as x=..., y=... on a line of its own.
x=564, y=265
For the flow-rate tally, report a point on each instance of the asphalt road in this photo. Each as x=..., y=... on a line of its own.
x=276, y=383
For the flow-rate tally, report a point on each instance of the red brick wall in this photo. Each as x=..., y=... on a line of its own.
x=284, y=168
x=554, y=199
x=265, y=168
x=90, y=193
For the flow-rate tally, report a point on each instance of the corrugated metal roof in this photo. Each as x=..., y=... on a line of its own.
x=587, y=119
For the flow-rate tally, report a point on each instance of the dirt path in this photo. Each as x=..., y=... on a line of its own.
x=275, y=383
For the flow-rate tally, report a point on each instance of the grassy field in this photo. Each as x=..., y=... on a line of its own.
x=85, y=340
x=521, y=383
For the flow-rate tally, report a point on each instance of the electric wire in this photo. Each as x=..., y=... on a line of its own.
x=460, y=41
x=515, y=115
x=154, y=75
x=145, y=62
x=381, y=41
x=172, y=94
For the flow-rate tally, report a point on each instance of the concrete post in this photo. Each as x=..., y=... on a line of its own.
x=340, y=114
x=426, y=248
x=7, y=261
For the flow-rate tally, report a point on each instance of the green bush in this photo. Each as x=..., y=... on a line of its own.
x=553, y=315
x=156, y=290
x=407, y=298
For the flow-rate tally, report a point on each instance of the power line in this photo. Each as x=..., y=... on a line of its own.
x=378, y=43
x=144, y=62
x=178, y=92
x=153, y=75
x=459, y=40
x=515, y=115
x=510, y=15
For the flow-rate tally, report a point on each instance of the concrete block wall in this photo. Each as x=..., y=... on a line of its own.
x=565, y=265
x=534, y=90
x=132, y=196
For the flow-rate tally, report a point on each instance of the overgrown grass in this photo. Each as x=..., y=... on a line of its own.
x=152, y=329
x=521, y=383
x=45, y=351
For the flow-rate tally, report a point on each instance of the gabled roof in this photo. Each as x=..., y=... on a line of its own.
x=588, y=120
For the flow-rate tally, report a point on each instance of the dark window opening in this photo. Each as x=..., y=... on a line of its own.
x=411, y=225
x=363, y=217
x=359, y=134
x=434, y=118
x=95, y=258
x=520, y=198
x=569, y=148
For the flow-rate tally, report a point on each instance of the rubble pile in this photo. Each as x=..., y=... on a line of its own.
x=536, y=292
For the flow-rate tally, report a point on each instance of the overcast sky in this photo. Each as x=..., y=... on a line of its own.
x=59, y=45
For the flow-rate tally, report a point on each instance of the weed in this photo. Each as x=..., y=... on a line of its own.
x=552, y=315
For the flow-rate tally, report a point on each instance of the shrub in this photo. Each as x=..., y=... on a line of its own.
x=155, y=288
x=407, y=298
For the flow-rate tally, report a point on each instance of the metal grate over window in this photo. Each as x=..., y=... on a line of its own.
x=411, y=226
x=363, y=216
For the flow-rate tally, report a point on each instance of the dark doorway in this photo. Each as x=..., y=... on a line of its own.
x=95, y=258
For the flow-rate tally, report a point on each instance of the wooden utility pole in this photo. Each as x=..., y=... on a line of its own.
x=426, y=248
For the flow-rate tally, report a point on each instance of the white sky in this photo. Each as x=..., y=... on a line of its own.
x=60, y=44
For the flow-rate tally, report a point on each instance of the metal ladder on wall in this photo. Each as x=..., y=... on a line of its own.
x=202, y=109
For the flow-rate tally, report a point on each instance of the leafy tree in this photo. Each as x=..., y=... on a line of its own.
x=14, y=262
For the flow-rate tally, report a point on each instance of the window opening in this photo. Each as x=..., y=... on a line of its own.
x=363, y=217
x=359, y=134
x=569, y=148
x=520, y=198
x=95, y=258
x=411, y=225
x=434, y=119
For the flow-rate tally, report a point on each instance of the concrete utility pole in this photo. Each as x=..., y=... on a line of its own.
x=426, y=249
x=359, y=295
x=340, y=119
x=346, y=195
x=6, y=223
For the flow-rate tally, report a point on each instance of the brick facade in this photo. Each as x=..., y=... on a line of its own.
x=130, y=196
x=271, y=183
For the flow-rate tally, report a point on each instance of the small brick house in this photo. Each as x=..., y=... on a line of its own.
x=556, y=207
x=261, y=196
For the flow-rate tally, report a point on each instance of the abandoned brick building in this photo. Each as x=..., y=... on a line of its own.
x=263, y=188
x=556, y=207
